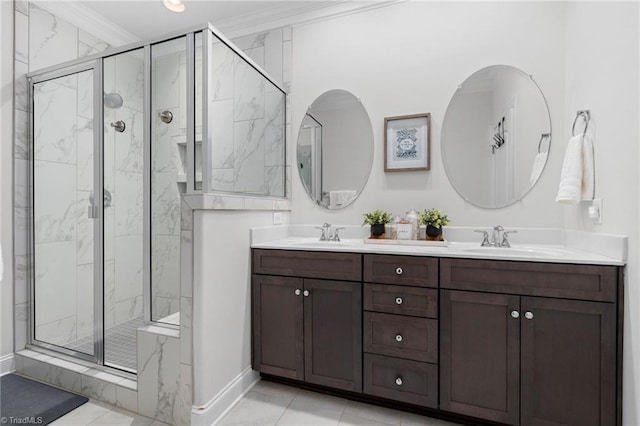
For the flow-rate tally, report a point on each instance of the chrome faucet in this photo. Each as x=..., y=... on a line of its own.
x=499, y=237
x=326, y=232
x=496, y=242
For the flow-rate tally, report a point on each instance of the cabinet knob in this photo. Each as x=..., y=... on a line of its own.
x=306, y=293
x=297, y=292
x=399, y=381
x=398, y=300
x=399, y=270
x=515, y=314
x=398, y=338
x=528, y=315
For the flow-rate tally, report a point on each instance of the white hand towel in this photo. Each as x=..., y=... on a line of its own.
x=588, y=169
x=576, y=178
x=538, y=166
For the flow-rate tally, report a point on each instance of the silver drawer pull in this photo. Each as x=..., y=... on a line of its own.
x=297, y=292
x=398, y=300
x=398, y=338
x=399, y=270
x=515, y=314
x=399, y=381
x=528, y=315
x=306, y=293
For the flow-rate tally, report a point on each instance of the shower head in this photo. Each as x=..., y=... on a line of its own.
x=113, y=100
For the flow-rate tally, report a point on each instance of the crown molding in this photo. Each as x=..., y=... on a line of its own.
x=284, y=15
x=88, y=20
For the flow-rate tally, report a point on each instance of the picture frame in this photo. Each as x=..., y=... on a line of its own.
x=407, y=143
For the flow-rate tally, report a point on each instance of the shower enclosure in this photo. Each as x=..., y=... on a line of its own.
x=116, y=139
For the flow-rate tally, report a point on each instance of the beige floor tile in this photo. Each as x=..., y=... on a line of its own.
x=410, y=419
x=374, y=412
x=258, y=408
x=83, y=415
x=349, y=419
x=118, y=417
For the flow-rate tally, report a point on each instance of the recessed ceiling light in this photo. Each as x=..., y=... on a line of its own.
x=174, y=5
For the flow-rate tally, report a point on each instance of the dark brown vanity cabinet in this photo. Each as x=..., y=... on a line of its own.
x=307, y=328
x=510, y=342
x=528, y=360
x=401, y=328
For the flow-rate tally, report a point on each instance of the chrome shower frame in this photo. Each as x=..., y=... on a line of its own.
x=95, y=63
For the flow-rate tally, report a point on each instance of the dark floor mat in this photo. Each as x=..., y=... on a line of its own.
x=25, y=401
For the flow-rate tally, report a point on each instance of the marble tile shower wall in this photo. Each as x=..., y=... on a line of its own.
x=247, y=116
x=41, y=40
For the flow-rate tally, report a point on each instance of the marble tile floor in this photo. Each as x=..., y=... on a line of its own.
x=269, y=403
x=96, y=413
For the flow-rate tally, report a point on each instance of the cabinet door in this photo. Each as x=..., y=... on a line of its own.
x=568, y=362
x=277, y=326
x=479, y=358
x=333, y=334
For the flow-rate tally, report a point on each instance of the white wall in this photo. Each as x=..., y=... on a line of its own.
x=602, y=73
x=6, y=175
x=221, y=298
x=409, y=58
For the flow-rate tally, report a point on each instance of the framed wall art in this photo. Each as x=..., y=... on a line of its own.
x=407, y=142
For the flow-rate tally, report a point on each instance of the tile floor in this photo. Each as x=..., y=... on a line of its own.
x=267, y=403
x=96, y=413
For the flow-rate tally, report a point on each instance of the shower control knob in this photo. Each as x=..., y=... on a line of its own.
x=398, y=300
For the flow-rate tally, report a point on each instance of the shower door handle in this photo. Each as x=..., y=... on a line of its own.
x=92, y=212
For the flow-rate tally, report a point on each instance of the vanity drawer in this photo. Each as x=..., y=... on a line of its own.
x=584, y=282
x=400, y=379
x=401, y=336
x=308, y=264
x=403, y=270
x=402, y=300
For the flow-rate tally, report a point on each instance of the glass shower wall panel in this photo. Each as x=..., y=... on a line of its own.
x=123, y=87
x=247, y=122
x=168, y=174
x=63, y=233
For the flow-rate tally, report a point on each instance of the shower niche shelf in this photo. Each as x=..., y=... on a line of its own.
x=181, y=142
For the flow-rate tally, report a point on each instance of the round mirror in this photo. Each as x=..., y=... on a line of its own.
x=335, y=149
x=496, y=136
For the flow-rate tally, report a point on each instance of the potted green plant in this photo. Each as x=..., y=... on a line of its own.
x=377, y=219
x=434, y=221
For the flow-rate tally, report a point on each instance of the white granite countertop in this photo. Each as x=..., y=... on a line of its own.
x=470, y=250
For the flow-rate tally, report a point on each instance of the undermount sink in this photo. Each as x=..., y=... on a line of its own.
x=517, y=251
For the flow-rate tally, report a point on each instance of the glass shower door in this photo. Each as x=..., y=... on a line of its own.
x=64, y=229
x=124, y=177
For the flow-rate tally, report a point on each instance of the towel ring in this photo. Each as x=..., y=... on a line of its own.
x=586, y=116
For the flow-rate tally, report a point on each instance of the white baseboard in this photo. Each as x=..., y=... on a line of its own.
x=7, y=364
x=215, y=409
